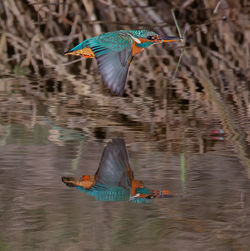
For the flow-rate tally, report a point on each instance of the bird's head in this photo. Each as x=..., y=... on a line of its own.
x=145, y=38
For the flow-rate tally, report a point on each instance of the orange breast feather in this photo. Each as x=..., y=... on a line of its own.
x=136, y=49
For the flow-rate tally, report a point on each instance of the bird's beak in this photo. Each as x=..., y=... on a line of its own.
x=166, y=39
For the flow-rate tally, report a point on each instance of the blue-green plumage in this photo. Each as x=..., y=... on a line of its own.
x=114, y=179
x=114, y=52
x=114, y=41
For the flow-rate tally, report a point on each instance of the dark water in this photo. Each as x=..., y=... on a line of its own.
x=172, y=144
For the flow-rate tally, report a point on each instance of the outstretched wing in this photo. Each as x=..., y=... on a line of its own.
x=113, y=52
x=114, y=168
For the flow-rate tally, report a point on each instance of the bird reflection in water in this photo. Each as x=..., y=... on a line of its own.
x=114, y=179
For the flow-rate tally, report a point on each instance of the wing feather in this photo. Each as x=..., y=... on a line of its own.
x=113, y=51
x=113, y=60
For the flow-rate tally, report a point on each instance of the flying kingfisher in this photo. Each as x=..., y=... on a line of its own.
x=114, y=52
x=114, y=179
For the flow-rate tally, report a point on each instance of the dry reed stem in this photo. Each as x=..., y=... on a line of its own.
x=34, y=36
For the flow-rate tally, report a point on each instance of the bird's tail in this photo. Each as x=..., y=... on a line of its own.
x=69, y=181
x=87, y=181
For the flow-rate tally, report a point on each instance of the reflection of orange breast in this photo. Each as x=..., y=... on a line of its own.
x=136, y=49
x=134, y=185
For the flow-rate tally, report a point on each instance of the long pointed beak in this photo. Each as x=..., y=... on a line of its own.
x=166, y=39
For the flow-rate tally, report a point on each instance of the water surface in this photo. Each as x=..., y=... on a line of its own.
x=191, y=147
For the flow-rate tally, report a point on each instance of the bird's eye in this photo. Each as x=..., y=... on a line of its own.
x=150, y=37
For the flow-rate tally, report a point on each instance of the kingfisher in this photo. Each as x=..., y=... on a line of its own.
x=114, y=179
x=114, y=52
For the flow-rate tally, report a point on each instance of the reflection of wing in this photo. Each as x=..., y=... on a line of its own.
x=114, y=168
